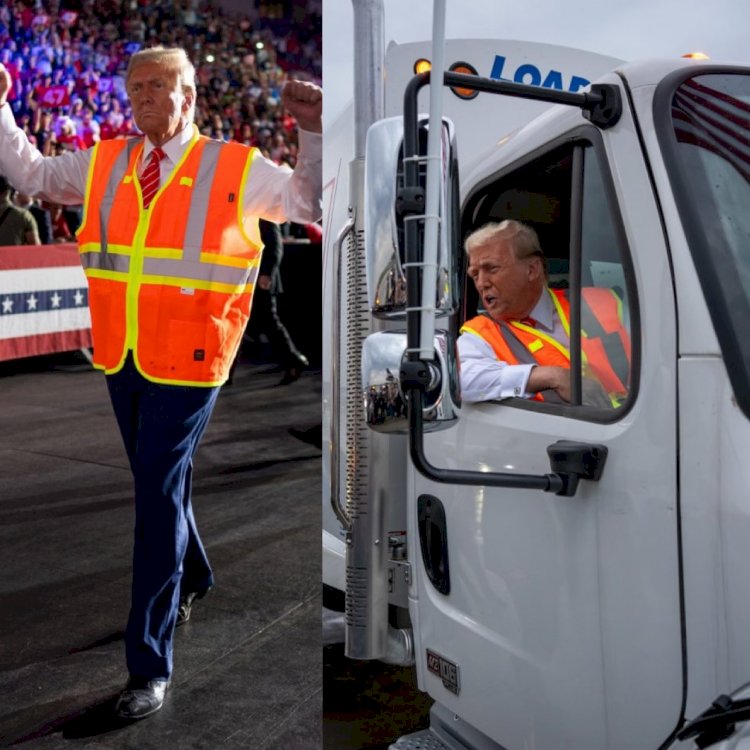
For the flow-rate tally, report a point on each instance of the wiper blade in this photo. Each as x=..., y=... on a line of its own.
x=717, y=722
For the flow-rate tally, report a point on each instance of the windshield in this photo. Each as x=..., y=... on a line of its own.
x=707, y=151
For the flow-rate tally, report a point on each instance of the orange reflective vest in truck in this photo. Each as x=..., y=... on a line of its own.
x=172, y=283
x=605, y=341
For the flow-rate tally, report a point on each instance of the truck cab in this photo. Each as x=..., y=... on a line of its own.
x=615, y=615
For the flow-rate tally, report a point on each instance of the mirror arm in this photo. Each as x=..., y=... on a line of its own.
x=415, y=374
x=602, y=106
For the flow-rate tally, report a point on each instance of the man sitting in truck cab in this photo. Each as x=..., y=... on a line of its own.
x=520, y=345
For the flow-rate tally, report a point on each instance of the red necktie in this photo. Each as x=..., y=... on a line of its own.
x=151, y=178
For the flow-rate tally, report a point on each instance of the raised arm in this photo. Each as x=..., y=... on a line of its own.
x=278, y=193
x=60, y=179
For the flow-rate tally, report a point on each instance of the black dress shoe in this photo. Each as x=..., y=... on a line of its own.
x=141, y=698
x=186, y=605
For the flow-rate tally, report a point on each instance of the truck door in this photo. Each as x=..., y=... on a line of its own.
x=556, y=622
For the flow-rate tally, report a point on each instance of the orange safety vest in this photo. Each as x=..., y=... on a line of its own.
x=172, y=283
x=605, y=341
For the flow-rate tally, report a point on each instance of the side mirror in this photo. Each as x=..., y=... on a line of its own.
x=386, y=408
x=384, y=230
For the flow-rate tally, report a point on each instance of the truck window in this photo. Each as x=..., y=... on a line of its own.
x=703, y=124
x=606, y=333
x=565, y=197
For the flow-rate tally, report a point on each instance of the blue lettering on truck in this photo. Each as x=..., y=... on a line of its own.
x=530, y=75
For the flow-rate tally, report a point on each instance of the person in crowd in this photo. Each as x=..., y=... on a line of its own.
x=44, y=131
x=41, y=216
x=168, y=308
x=519, y=346
x=17, y=225
x=61, y=229
x=89, y=130
x=265, y=318
x=68, y=137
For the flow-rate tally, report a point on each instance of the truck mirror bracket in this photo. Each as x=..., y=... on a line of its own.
x=410, y=200
x=573, y=461
x=414, y=374
x=603, y=105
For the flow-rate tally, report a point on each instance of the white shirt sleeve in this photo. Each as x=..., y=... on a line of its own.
x=279, y=194
x=484, y=377
x=59, y=179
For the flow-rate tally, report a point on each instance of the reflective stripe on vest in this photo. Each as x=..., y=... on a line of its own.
x=190, y=240
x=105, y=261
x=120, y=166
x=176, y=271
x=196, y=221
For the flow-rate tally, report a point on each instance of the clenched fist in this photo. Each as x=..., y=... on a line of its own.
x=304, y=101
x=5, y=84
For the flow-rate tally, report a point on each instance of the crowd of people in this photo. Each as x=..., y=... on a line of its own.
x=68, y=62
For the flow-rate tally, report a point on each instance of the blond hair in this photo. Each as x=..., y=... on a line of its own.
x=522, y=238
x=174, y=60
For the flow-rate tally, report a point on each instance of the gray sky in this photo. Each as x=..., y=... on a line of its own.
x=630, y=29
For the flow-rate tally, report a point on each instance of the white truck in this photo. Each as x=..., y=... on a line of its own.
x=563, y=576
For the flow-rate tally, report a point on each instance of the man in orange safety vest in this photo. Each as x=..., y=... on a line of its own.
x=520, y=345
x=170, y=246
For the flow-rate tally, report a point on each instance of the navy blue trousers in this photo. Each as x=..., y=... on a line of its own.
x=161, y=426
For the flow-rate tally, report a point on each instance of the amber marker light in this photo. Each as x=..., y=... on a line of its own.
x=422, y=66
x=697, y=56
x=466, y=69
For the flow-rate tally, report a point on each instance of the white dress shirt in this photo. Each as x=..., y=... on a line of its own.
x=272, y=192
x=485, y=378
